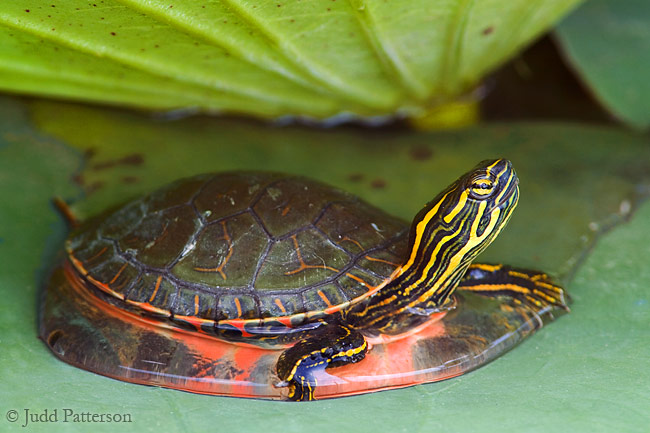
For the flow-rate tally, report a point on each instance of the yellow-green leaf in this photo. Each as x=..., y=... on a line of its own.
x=319, y=59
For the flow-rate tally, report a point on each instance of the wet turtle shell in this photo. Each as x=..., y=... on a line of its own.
x=244, y=245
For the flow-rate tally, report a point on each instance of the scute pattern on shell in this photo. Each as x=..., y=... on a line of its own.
x=242, y=245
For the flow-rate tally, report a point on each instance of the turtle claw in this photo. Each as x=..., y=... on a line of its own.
x=533, y=289
x=542, y=292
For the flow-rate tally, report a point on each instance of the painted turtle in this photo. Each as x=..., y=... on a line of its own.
x=300, y=276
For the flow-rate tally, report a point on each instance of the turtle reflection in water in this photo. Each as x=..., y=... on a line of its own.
x=272, y=286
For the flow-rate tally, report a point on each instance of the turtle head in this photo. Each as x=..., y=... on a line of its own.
x=453, y=228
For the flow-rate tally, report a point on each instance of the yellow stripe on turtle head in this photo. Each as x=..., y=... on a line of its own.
x=455, y=227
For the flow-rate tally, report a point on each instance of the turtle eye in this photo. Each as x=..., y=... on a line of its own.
x=482, y=188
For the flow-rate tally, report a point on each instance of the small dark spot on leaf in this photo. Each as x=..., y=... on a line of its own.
x=329, y=9
x=156, y=46
x=90, y=153
x=225, y=21
x=53, y=29
x=378, y=183
x=78, y=179
x=94, y=5
x=53, y=6
x=355, y=177
x=421, y=153
x=488, y=30
x=101, y=18
x=133, y=159
x=129, y=179
x=171, y=6
x=95, y=186
x=26, y=10
x=292, y=20
x=279, y=5
x=113, y=33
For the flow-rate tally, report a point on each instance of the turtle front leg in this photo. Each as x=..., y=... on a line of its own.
x=330, y=346
x=531, y=288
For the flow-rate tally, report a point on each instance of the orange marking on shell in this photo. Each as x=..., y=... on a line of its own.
x=118, y=273
x=278, y=302
x=105, y=288
x=354, y=241
x=196, y=305
x=101, y=286
x=304, y=265
x=238, y=305
x=360, y=280
x=382, y=261
x=285, y=320
x=155, y=290
x=324, y=298
x=286, y=209
x=196, y=322
x=240, y=325
x=98, y=254
x=149, y=308
x=334, y=309
x=77, y=264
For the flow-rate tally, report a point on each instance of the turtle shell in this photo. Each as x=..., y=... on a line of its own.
x=243, y=245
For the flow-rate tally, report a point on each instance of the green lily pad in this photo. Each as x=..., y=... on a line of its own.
x=559, y=378
x=319, y=59
x=607, y=42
